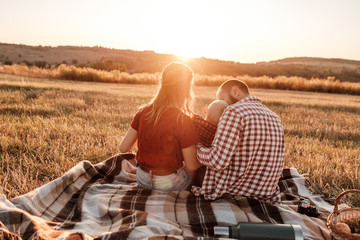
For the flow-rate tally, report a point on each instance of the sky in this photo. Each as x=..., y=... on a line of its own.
x=245, y=31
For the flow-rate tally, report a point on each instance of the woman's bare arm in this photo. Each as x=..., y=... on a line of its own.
x=129, y=141
x=189, y=155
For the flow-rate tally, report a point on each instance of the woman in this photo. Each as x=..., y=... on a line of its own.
x=165, y=134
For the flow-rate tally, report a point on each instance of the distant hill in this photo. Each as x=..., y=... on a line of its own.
x=318, y=61
x=333, y=64
x=149, y=61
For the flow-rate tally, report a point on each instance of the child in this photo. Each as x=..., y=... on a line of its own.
x=215, y=111
x=206, y=128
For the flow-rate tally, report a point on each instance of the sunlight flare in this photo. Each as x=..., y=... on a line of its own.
x=186, y=30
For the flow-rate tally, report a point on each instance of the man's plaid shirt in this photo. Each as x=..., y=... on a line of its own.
x=247, y=155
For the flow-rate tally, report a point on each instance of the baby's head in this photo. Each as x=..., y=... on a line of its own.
x=215, y=110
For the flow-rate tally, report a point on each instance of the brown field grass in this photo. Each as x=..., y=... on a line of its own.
x=47, y=126
x=329, y=85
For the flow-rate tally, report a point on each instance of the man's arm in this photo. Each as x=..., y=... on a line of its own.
x=219, y=155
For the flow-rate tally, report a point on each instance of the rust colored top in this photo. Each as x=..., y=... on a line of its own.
x=159, y=146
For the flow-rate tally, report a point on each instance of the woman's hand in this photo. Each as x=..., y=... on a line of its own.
x=129, y=141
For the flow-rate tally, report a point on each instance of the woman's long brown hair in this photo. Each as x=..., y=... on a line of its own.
x=175, y=91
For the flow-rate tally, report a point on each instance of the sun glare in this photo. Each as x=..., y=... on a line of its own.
x=183, y=29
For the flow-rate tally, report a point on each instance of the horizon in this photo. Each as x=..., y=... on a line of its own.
x=240, y=31
x=180, y=57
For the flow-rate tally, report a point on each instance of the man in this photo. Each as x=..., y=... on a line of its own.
x=247, y=155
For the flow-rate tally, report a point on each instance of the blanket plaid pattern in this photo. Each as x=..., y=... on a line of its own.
x=103, y=201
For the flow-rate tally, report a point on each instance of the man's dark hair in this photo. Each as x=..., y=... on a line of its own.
x=227, y=85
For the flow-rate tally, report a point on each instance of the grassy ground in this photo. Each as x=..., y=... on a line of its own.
x=47, y=126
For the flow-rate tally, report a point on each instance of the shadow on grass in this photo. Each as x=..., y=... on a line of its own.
x=29, y=92
x=347, y=109
x=334, y=137
x=13, y=88
x=26, y=112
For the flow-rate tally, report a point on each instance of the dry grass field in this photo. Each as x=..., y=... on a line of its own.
x=328, y=85
x=48, y=125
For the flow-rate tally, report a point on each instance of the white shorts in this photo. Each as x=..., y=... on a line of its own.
x=180, y=180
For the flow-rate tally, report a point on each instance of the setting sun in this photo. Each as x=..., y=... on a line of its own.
x=244, y=31
x=183, y=30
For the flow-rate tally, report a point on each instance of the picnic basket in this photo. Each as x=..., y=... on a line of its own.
x=340, y=215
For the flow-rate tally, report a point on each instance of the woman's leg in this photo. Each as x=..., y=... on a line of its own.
x=144, y=179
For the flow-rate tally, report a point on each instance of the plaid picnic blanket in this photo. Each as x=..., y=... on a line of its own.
x=103, y=201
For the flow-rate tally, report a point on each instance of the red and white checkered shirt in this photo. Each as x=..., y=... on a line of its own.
x=247, y=155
